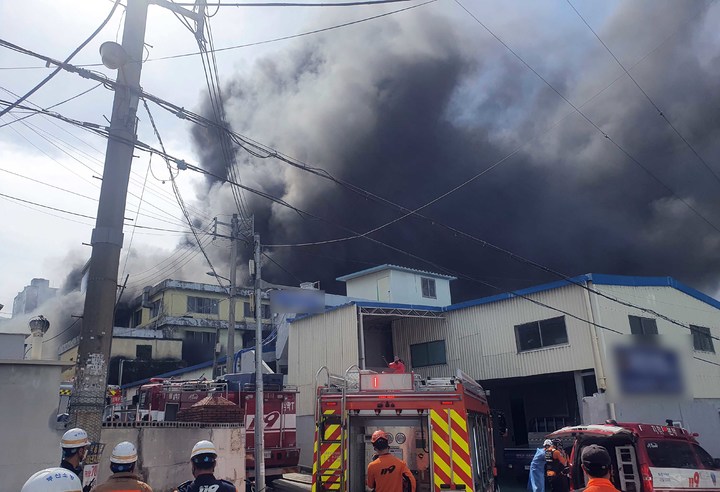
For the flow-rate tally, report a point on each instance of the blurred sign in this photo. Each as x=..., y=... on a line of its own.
x=649, y=369
x=90, y=474
x=297, y=301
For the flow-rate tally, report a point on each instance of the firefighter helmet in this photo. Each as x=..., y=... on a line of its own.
x=547, y=443
x=74, y=438
x=124, y=453
x=53, y=480
x=203, y=448
x=378, y=434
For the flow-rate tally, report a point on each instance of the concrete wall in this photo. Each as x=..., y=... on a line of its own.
x=28, y=412
x=12, y=346
x=164, y=453
x=161, y=348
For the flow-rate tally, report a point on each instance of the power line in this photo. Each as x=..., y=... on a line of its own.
x=298, y=279
x=181, y=112
x=299, y=4
x=63, y=331
x=137, y=213
x=54, y=105
x=48, y=184
x=178, y=196
x=591, y=122
x=256, y=43
x=67, y=60
x=654, y=105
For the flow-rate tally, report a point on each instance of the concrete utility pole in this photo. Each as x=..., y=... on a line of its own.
x=88, y=398
x=259, y=402
x=230, y=358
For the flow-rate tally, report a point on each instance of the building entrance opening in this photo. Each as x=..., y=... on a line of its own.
x=408, y=439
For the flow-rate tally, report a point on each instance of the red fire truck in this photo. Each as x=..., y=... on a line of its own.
x=162, y=399
x=441, y=427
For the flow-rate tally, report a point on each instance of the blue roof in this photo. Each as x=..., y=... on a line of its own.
x=381, y=268
x=597, y=279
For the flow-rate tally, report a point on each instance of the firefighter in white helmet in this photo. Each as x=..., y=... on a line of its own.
x=74, y=444
x=122, y=463
x=53, y=480
x=203, y=459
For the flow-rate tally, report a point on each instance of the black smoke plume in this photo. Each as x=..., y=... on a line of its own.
x=410, y=106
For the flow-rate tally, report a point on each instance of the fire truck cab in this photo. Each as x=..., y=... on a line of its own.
x=645, y=457
x=441, y=428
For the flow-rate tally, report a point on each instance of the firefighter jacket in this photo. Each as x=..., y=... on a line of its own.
x=555, y=461
x=206, y=483
x=123, y=482
x=397, y=367
x=77, y=471
x=388, y=474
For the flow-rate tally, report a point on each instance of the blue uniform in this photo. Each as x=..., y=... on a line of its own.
x=206, y=483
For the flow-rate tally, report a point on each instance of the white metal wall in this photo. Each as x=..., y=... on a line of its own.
x=329, y=339
x=480, y=340
x=705, y=377
x=406, y=288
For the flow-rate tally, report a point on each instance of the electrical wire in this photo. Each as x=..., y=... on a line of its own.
x=297, y=4
x=179, y=196
x=55, y=105
x=137, y=213
x=298, y=279
x=256, y=43
x=63, y=331
x=184, y=114
x=661, y=113
x=67, y=60
x=591, y=122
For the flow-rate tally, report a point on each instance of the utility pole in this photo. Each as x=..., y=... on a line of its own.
x=88, y=398
x=230, y=351
x=259, y=410
x=88, y=403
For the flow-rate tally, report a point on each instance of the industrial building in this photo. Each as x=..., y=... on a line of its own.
x=546, y=354
x=33, y=296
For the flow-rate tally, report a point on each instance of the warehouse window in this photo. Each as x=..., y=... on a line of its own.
x=202, y=305
x=428, y=354
x=143, y=352
x=137, y=318
x=539, y=334
x=642, y=326
x=428, y=288
x=702, y=340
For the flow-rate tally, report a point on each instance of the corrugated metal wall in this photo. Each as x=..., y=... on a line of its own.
x=480, y=340
x=329, y=339
x=705, y=377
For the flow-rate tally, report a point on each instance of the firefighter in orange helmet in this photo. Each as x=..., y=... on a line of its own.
x=387, y=473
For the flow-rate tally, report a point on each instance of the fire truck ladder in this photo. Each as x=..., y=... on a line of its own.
x=329, y=466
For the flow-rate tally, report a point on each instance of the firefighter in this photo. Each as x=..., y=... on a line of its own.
x=122, y=464
x=397, y=366
x=53, y=480
x=555, y=464
x=387, y=473
x=203, y=459
x=74, y=444
x=596, y=462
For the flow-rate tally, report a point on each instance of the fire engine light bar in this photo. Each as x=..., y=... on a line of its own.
x=386, y=382
x=331, y=403
x=446, y=403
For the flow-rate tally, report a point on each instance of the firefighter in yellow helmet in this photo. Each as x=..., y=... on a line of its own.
x=53, y=480
x=122, y=463
x=203, y=458
x=387, y=473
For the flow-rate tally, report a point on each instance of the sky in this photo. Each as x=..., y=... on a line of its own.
x=408, y=107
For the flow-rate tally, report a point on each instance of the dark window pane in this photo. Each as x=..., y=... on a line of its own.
x=670, y=454
x=552, y=331
x=705, y=458
x=436, y=352
x=589, y=384
x=202, y=305
x=143, y=352
x=642, y=326
x=528, y=336
x=266, y=311
x=247, y=312
x=428, y=288
x=418, y=355
x=702, y=340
